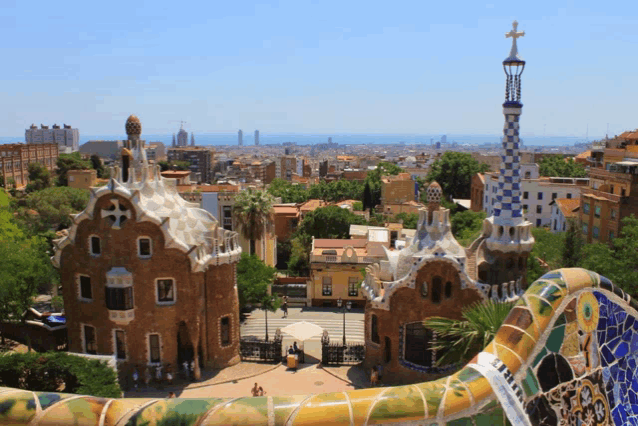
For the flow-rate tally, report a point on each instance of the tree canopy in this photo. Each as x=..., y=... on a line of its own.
x=66, y=162
x=371, y=197
x=53, y=207
x=548, y=248
x=556, y=166
x=288, y=192
x=329, y=222
x=467, y=225
x=24, y=267
x=96, y=163
x=253, y=210
x=409, y=220
x=454, y=171
x=253, y=279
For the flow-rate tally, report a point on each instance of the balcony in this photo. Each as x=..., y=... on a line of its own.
x=605, y=175
x=602, y=195
x=122, y=317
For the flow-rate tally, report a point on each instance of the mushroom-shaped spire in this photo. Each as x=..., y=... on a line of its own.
x=434, y=196
x=133, y=127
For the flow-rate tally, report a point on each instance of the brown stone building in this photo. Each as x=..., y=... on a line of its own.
x=613, y=188
x=16, y=157
x=397, y=189
x=147, y=276
x=82, y=179
x=477, y=192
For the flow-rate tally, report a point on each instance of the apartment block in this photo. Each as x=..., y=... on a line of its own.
x=15, y=159
x=201, y=160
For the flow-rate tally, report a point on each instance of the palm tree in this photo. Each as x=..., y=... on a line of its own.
x=459, y=340
x=253, y=211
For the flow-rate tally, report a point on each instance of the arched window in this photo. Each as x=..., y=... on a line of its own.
x=448, y=289
x=437, y=284
x=387, y=350
x=520, y=263
x=374, y=329
x=418, y=345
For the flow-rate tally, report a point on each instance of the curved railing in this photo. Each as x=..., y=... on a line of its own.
x=566, y=351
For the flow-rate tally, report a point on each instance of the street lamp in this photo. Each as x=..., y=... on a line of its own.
x=347, y=307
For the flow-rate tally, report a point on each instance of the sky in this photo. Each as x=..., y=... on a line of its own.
x=301, y=66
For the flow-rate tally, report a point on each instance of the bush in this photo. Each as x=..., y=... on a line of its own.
x=47, y=372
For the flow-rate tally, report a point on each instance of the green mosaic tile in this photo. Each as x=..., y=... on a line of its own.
x=183, y=412
x=433, y=392
x=403, y=402
x=555, y=339
x=560, y=320
x=465, y=421
x=530, y=383
x=539, y=357
x=245, y=411
x=285, y=406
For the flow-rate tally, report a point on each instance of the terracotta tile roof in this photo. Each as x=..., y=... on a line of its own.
x=337, y=243
x=568, y=206
x=630, y=135
x=286, y=210
x=481, y=176
x=176, y=173
x=584, y=155
x=311, y=205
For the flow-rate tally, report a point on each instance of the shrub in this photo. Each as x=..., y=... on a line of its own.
x=47, y=372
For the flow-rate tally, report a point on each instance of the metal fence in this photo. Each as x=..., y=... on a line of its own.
x=252, y=349
x=340, y=354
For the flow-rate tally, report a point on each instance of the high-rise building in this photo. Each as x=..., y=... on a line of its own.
x=192, y=139
x=68, y=139
x=330, y=139
x=444, y=139
x=240, y=138
x=173, y=140
x=256, y=137
x=200, y=159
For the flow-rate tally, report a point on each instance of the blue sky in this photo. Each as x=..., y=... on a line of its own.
x=316, y=66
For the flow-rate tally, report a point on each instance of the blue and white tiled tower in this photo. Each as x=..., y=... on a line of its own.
x=507, y=231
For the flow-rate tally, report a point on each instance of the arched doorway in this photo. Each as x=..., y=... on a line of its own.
x=185, y=351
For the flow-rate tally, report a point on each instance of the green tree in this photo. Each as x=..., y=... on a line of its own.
x=572, y=248
x=253, y=279
x=556, y=166
x=39, y=177
x=358, y=206
x=25, y=266
x=373, y=180
x=367, y=196
x=454, y=171
x=253, y=211
x=467, y=225
x=180, y=165
x=96, y=163
x=66, y=162
x=458, y=341
x=549, y=248
x=299, y=262
x=329, y=222
x=409, y=220
x=164, y=165
x=53, y=207
x=288, y=192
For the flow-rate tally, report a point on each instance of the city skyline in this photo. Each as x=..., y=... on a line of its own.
x=406, y=69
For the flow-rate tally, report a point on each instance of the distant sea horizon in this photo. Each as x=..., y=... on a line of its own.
x=221, y=139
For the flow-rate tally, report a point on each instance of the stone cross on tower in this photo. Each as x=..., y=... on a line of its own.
x=117, y=213
x=514, y=35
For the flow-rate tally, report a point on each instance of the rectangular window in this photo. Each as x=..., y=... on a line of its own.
x=90, y=342
x=227, y=218
x=585, y=228
x=538, y=223
x=539, y=209
x=554, y=195
x=353, y=286
x=418, y=345
x=486, y=199
x=525, y=195
x=540, y=195
x=613, y=214
x=225, y=331
x=327, y=286
x=525, y=207
x=144, y=246
x=165, y=291
x=154, y=347
x=595, y=231
x=611, y=235
x=95, y=246
x=120, y=346
x=597, y=211
x=569, y=196
x=374, y=329
x=586, y=208
x=85, y=287
x=119, y=299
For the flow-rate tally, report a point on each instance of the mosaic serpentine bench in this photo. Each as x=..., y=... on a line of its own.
x=566, y=354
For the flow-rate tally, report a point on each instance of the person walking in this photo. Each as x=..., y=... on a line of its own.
x=284, y=306
x=136, y=377
x=374, y=376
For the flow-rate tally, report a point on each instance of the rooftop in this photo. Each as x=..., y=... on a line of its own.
x=568, y=206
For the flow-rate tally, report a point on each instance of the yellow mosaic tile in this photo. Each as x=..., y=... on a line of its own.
x=242, y=412
x=81, y=411
x=21, y=406
x=508, y=357
x=457, y=398
x=577, y=279
x=119, y=408
x=285, y=406
x=433, y=392
x=403, y=403
x=542, y=311
x=521, y=317
x=516, y=340
x=313, y=412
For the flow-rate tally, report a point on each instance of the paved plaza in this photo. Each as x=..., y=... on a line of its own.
x=276, y=379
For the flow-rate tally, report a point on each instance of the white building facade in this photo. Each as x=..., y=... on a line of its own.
x=536, y=193
x=68, y=139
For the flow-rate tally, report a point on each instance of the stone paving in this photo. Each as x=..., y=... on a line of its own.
x=276, y=379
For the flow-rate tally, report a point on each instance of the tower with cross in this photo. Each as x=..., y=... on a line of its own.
x=507, y=233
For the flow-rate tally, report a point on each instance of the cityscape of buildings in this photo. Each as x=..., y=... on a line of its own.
x=150, y=278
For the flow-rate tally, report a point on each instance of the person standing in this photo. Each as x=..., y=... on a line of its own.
x=255, y=390
x=261, y=391
x=284, y=306
x=374, y=376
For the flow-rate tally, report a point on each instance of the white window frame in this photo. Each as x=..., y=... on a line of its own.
x=91, y=245
x=79, y=287
x=115, y=330
x=83, y=325
x=139, y=254
x=148, y=348
x=172, y=302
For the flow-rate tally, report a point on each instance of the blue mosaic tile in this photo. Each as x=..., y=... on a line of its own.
x=607, y=356
x=627, y=335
